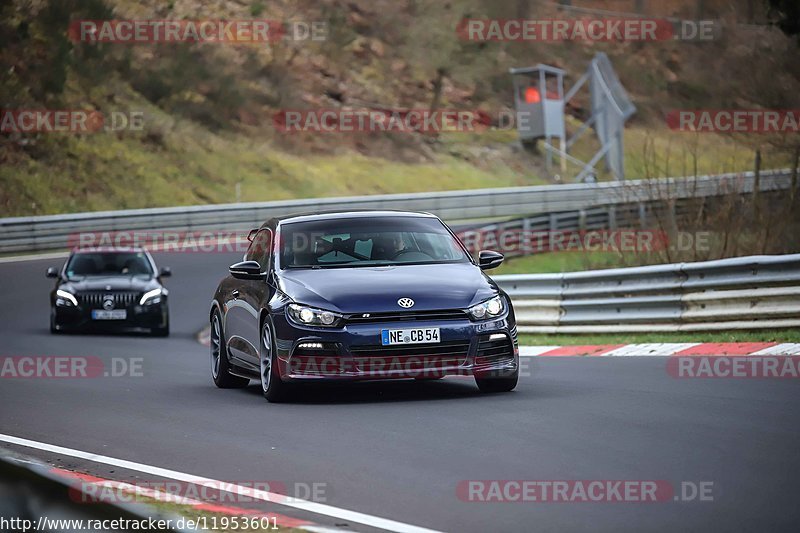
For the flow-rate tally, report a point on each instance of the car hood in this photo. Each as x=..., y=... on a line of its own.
x=377, y=289
x=111, y=283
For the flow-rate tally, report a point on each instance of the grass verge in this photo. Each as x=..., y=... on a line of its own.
x=557, y=262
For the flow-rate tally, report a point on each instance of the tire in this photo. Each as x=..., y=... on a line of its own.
x=505, y=383
x=53, y=329
x=161, y=332
x=220, y=367
x=274, y=389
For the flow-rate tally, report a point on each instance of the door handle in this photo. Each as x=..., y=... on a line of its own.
x=235, y=294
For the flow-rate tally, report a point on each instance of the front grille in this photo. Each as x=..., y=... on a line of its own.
x=411, y=358
x=95, y=299
x=493, y=351
x=399, y=316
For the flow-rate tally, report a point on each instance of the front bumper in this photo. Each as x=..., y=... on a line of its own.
x=355, y=352
x=139, y=317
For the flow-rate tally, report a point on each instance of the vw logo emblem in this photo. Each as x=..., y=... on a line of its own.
x=108, y=303
x=405, y=302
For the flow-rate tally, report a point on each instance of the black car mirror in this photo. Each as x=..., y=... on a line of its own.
x=247, y=270
x=165, y=272
x=488, y=259
x=52, y=272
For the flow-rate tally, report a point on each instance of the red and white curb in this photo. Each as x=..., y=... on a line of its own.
x=198, y=505
x=664, y=349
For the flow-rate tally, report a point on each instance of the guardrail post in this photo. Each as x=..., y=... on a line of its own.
x=553, y=223
x=642, y=215
x=582, y=219
x=525, y=236
x=612, y=217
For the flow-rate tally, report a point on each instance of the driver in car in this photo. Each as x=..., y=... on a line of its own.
x=397, y=245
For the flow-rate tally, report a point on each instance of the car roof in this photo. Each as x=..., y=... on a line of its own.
x=353, y=213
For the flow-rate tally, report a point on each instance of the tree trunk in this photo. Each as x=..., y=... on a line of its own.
x=437, y=94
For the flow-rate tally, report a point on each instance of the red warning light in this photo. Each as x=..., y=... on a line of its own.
x=532, y=95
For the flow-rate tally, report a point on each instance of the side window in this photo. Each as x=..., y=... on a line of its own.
x=260, y=248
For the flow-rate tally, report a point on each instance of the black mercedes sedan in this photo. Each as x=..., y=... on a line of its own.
x=360, y=295
x=109, y=289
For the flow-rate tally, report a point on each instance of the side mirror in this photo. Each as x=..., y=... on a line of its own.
x=165, y=272
x=52, y=272
x=247, y=270
x=488, y=259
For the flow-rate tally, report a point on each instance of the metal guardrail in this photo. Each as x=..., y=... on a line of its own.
x=53, y=231
x=752, y=292
x=34, y=498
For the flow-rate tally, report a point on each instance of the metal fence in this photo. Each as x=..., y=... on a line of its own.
x=54, y=231
x=753, y=292
x=552, y=232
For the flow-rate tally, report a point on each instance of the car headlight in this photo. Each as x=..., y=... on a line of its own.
x=309, y=316
x=491, y=308
x=65, y=298
x=152, y=297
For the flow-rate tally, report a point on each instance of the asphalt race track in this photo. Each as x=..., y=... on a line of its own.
x=398, y=450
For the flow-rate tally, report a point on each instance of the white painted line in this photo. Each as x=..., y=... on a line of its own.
x=660, y=349
x=312, y=507
x=321, y=529
x=787, y=348
x=33, y=257
x=532, y=351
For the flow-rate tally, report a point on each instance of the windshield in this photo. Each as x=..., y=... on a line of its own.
x=357, y=242
x=109, y=264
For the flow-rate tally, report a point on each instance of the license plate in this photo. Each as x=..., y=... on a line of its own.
x=409, y=336
x=115, y=314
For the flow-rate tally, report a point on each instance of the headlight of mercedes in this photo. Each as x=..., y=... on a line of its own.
x=152, y=297
x=491, y=308
x=309, y=316
x=66, y=299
